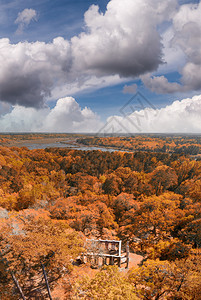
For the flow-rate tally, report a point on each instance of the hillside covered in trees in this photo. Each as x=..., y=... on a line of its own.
x=52, y=200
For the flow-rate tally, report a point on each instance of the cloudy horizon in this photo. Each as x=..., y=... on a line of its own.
x=75, y=75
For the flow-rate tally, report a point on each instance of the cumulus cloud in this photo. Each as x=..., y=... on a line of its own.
x=160, y=84
x=66, y=116
x=182, y=52
x=29, y=71
x=130, y=89
x=173, y=56
x=122, y=42
x=186, y=40
x=179, y=117
x=24, y=18
x=187, y=36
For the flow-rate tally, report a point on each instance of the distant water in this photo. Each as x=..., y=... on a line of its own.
x=69, y=146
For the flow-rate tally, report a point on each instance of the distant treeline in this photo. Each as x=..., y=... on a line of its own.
x=166, y=144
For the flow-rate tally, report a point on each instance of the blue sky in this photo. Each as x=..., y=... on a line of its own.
x=55, y=18
x=96, y=55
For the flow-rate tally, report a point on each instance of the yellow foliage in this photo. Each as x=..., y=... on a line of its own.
x=108, y=284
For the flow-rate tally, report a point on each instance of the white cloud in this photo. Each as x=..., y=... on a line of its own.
x=187, y=37
x=123, y=42
x=24, y=18
x=182, y=51
x=160, y=84
x=181, y=116
x=130, y=89
x=173, y=55
x=89, y=83
x=29, y=71
x=66, y=116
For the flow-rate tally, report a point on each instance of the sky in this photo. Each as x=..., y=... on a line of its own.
x=100, y=66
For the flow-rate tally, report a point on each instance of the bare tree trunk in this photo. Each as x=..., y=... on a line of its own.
x=46, y=280
x=18, y=286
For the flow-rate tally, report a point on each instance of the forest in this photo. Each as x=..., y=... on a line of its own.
x=51, y=200
x=182, y=144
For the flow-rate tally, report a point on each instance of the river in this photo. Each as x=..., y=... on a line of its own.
x=66, y=145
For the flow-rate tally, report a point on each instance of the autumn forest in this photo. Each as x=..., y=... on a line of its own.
x=52, y=199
